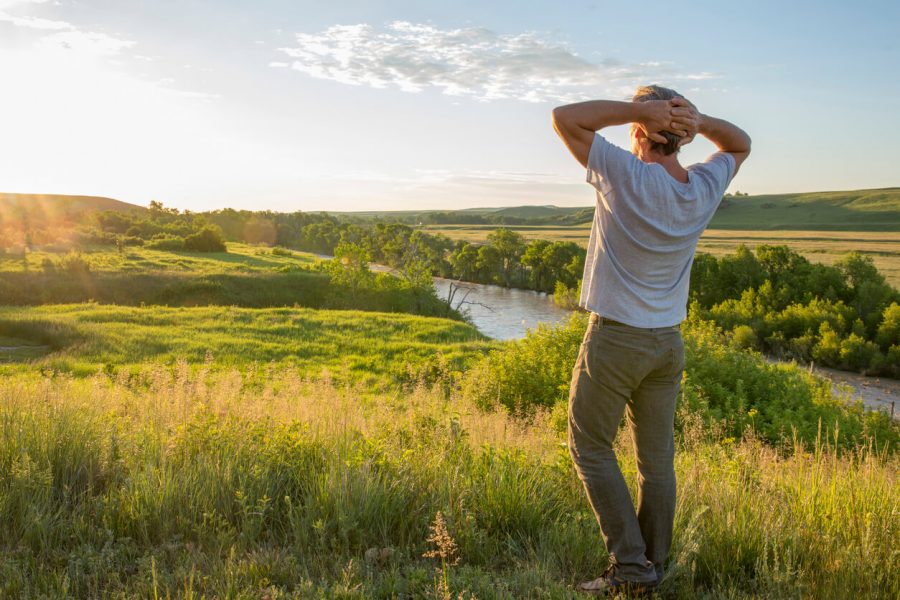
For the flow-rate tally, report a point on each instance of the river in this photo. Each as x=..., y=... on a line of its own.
x=506, y=314
x=499, y=312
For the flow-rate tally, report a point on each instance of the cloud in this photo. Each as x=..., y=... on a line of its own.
x=471, y=62
x=62, y=34
x=85, y=43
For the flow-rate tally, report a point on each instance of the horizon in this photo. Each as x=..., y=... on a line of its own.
x=379, y=106
x=438, y=209
x=423, y=210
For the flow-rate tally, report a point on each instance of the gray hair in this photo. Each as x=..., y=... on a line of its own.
x=657, y=92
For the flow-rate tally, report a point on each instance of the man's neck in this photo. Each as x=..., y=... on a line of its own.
x=669, y=163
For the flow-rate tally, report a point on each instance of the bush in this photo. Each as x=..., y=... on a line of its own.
x=166, y=242
x=726, y=388
x=74, y=263
x=528, y=373
x=858, y=354
x=828, y=349
x=129, y=240
x=889, y=330
x=208, y=239
x=744, y=338
x=279, y=251
x=566, y=297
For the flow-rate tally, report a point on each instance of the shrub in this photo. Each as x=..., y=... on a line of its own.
x=166, y=242
x=744, y=338
x=889, y=329
x=208, y=239
x=566, y=297
x=74, y=263
x=129, y=240
x=279, y=251
x=828, y=349
x=857, y=353
x=722, y=386
x=528, y=373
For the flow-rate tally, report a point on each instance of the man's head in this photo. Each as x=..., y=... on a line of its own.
x=645, y=94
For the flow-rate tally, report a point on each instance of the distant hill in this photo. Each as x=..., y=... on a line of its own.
x=855, y=210
x=40, y=219
x=55, y=206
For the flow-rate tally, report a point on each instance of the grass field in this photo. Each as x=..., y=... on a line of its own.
x=184, y=485
x=857, y=210
x=266, y=453
x=240, y=258
x=346, y=346
x=817, y=246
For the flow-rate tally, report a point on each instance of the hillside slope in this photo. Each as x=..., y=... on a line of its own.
x=56, y=206
x=854, y=210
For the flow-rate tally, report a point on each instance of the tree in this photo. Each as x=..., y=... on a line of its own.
x=350, y=268
x=533, y=258
x=869, y=290
x=509, y=246
x=464, y=261
x=489, y=263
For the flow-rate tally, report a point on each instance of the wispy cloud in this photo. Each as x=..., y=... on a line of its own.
x=58, y=38
x=472, y=62
x=55, y=34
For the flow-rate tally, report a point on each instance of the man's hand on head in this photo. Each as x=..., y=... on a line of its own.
x=677, y=116
x=655, y=117
x=686, y=118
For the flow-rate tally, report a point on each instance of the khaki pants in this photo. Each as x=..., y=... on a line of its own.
x=637, y=372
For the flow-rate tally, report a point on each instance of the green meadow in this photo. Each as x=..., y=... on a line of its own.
x=240, y=258
x=251, y=425
x=344, y=345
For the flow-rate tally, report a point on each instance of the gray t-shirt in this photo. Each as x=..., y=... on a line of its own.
x=645, y=231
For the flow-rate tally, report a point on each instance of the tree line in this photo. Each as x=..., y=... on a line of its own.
x=505, y=258
x=159, y=228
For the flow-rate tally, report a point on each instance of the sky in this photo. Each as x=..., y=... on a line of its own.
x=403, y=105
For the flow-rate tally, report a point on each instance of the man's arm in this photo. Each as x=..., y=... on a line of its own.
x=726, y=136
x=577, y=123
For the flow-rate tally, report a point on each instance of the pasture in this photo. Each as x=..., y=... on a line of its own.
x=240, y=258
x=374, y=349
x=279, y=451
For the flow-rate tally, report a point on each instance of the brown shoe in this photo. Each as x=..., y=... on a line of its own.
x=609, y=583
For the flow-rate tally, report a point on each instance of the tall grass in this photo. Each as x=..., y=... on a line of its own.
x=201, y=483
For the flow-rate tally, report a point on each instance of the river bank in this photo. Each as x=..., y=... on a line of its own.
x=507, y=313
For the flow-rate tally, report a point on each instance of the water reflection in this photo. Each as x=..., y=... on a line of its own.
x=502, y=313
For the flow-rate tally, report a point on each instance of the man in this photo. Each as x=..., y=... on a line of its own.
x=650, y=213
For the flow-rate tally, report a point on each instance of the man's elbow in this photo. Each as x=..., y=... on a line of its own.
x=556, y=118
x=562, y=122
x=560, y=117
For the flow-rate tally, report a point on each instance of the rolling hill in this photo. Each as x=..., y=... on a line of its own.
x=55, y=206
x=40, y=219
x=855, y=210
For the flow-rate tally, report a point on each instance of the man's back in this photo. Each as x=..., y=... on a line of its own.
x=645, y=231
